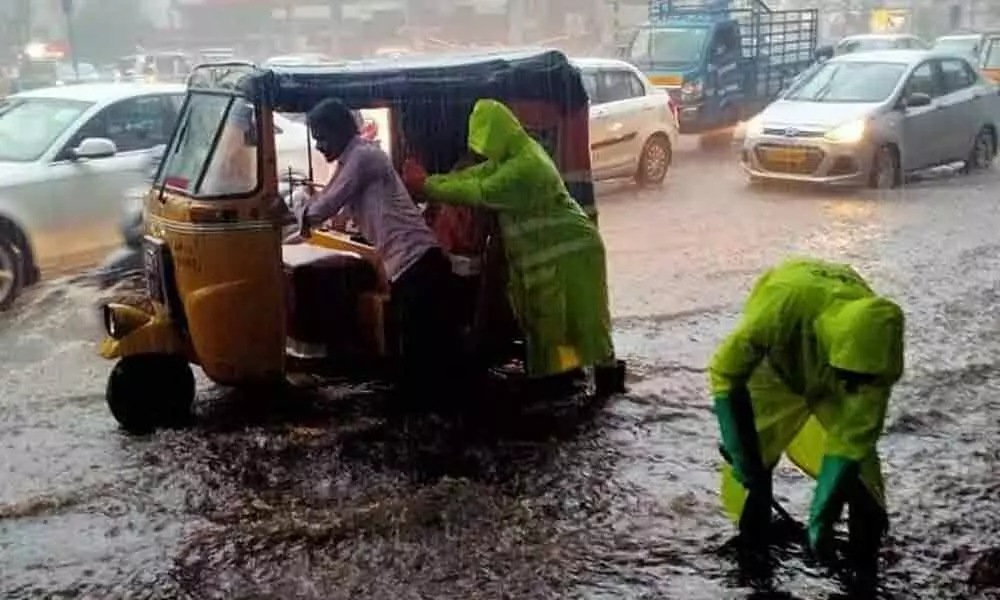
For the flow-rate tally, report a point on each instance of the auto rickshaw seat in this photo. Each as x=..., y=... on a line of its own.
x=324, y=288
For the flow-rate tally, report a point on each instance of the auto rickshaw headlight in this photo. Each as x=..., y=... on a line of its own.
x=121, y=320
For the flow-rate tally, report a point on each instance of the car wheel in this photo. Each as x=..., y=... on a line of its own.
x=885, y=173
x=983, y=152
x=146, y=391
x=11, y=273
x=654, y=161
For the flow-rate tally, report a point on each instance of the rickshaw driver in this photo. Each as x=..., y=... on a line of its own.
x=368, y=189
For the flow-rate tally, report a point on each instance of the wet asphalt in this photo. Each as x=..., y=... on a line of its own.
x=331, y=495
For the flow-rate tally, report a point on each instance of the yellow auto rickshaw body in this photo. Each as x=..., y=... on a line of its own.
x=226, y=294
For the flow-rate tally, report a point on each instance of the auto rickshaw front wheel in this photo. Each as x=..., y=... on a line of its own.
x=147, y=391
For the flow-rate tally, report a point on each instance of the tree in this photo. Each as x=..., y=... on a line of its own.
x=107, y=29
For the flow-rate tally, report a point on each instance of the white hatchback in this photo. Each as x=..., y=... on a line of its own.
x=633, y=124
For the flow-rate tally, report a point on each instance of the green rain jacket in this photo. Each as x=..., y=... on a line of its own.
x=804, y=319
x=557, y=271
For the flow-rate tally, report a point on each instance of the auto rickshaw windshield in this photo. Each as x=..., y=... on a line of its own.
x=214, y=151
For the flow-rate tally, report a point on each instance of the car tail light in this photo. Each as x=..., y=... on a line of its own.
x=674, y=109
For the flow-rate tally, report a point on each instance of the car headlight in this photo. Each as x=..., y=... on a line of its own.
x=754, y=127
x=848, y=133
x=693, y=88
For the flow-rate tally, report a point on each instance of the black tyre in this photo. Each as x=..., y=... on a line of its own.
x=885, y=172
x=657, y=155
x=983, y=152
x=11, y=273
x=147, y=391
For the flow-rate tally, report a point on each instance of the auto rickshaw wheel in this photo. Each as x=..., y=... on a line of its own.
x=146, y=391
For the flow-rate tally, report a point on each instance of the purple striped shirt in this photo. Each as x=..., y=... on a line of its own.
x=368, y=188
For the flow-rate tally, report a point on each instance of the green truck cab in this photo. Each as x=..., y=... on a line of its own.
x=721, y=61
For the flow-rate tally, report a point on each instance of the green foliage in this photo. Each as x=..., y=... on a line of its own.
x=107, y=29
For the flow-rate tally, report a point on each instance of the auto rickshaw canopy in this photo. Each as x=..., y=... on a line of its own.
x=530, y=74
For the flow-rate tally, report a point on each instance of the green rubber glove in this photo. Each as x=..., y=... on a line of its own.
x=739, y=435
x=837, y=477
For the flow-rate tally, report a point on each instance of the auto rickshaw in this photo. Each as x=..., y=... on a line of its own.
x=225, y=293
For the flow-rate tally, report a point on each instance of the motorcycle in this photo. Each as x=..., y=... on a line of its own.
x=126, y=261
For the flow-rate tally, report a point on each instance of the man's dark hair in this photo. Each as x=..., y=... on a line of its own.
x=333, y=115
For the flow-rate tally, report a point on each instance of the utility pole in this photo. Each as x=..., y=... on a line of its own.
x=24, y=21
x=67, y=6
x=336, y=27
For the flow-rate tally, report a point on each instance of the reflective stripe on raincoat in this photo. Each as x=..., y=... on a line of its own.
x=802, y=320
x=557, y=267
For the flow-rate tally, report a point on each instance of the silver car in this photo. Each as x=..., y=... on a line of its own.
x=67, y=156
x=871, y=117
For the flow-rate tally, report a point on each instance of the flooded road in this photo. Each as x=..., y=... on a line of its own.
x=325, y=496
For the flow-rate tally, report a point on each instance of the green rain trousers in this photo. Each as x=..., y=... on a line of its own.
x=557, y=281
x=804, y=319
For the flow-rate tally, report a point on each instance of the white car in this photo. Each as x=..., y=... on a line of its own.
x=68, y=154
x=633, y=124
x=69, y=157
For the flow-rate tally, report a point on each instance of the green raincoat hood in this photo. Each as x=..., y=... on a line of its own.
x=494, y=131
x=865, y=336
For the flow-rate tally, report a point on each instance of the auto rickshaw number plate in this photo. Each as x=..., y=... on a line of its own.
x=154, y=259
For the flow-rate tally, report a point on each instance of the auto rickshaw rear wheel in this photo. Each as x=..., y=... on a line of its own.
x=146, y=391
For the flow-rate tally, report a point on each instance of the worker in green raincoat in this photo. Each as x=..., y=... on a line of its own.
x=808, y=372
x=557, y=279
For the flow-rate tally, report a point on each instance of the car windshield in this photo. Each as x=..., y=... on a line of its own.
x=66, y=73
x=678, y=46
x=964, y=46
x=39, y=70
x=29, y=126
x=867, y=44
x=848, y=82
x=214, y=152
x=169, y=65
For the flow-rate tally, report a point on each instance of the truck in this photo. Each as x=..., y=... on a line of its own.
x=722, y=61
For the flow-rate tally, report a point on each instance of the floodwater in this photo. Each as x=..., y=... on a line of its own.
x=330, y=495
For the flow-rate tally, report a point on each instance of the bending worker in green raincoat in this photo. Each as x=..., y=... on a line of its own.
x=557, y=274
x=808, y=372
